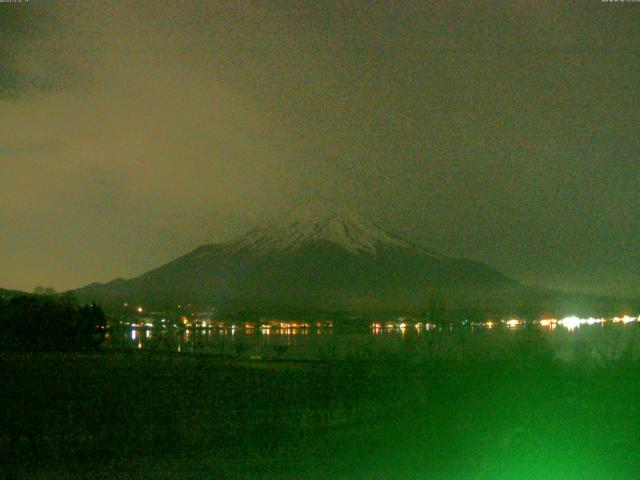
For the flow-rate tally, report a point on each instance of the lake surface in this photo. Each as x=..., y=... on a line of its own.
x=573, y=339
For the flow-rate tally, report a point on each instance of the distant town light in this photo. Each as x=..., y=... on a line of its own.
x=139, y=309
x=513, y=323
x=570, y=323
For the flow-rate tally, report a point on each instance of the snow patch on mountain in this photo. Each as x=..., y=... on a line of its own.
x=321, y=223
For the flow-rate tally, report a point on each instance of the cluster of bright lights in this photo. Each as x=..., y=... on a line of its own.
x=402, y=327
x=570, y=323
x=573, y=322
x=624, y=319
x=593, y=321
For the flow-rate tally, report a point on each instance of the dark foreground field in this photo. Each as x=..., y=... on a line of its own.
x=141, y=415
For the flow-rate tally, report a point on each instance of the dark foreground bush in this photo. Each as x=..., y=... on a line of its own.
x=47, y=323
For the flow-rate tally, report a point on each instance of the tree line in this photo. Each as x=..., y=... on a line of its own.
x=47, y=322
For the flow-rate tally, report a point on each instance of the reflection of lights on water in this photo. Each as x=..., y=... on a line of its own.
x=140, y=334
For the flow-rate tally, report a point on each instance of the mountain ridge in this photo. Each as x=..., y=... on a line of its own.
x=328, y=260
x=323, y=258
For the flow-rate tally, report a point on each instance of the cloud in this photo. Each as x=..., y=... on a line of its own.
x=121, y=128
x=132, y=131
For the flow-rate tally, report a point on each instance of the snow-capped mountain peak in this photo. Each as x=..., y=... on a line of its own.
x=319, y=222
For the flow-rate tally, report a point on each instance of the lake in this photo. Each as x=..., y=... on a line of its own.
x=568, y=339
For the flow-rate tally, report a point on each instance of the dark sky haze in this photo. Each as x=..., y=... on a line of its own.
x=133, y=131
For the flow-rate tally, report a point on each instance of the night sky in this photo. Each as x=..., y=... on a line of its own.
x=132, y=132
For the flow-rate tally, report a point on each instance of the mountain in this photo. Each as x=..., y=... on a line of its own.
x=317, y=257
x=324, y=258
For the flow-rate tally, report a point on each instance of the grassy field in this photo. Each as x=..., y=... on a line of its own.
x=155, y=415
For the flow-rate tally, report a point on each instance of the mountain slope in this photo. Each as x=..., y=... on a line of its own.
x=319, y=258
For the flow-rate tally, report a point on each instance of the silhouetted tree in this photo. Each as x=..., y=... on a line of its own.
x=46, y=322
x=40, y=290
